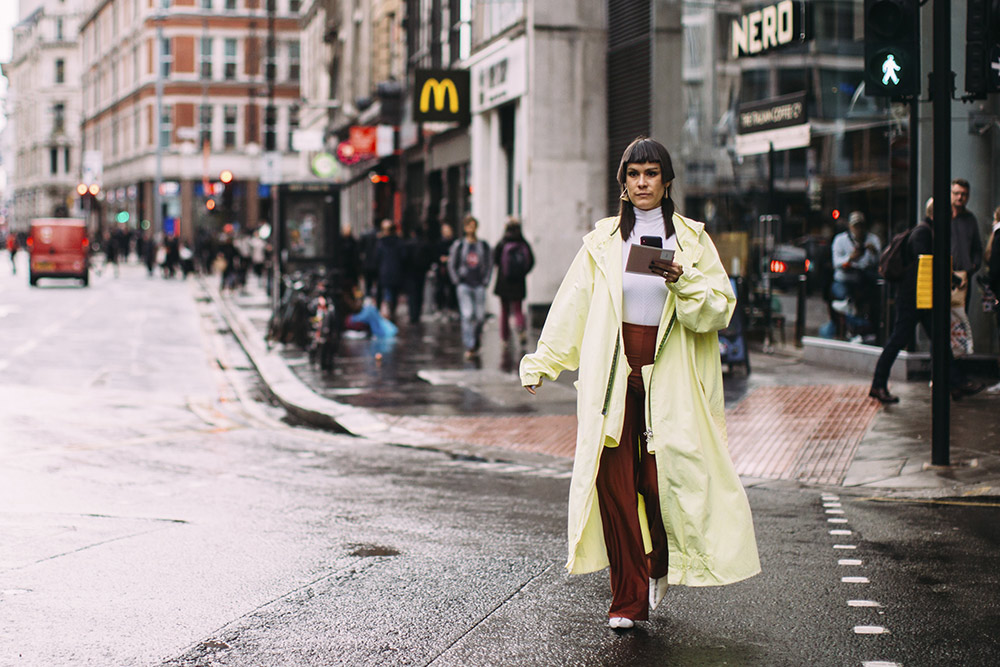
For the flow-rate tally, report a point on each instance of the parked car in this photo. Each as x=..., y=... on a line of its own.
x=59, y=248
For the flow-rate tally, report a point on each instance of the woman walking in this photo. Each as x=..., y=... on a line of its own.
x=514, y=260
x=654, y=494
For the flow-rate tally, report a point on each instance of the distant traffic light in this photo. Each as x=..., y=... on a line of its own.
x=210, y=204
x=122, y=217
x=892, y=48
x=226, y=176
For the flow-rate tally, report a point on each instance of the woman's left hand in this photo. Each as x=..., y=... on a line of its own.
x=670, y=271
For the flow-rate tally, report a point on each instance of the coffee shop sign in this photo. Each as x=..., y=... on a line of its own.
x=767, y=28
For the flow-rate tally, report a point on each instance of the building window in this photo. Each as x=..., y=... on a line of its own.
x=293, y=124
x=206, y=4
x=270, y=128
x=270, y=66
x=114, y=136
x=229, y=126
x=206, y=57
x=229, y=66
x=114, y=80
x=59, y=30
x=294, y=6
x=66, y=162
x=58, y=117
x=53, y=160
x=166, y=125
x=60, y=70
x=137, y=126
x=205, y=121
x=166, y=57
x=135, y=64
x=294, y=61
x=230, y=4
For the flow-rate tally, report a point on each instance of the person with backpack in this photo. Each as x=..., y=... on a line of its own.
x=919, y=242
x=855, y=289
x=470, y=266
x=514, y=260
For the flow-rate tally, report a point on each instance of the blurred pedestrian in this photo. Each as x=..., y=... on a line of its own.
x=349, y=261
x=920, y=242
x=417, y=262
x=966, y=243
x=855, y=276
x=369, y=263
x=12, y=248
x=258, y=255
x=646, y=346
x=992, y=256
x=111, y=251
x=445, y=299
x=470, y=268
x=149, y=252
x=514, y=260
x=390, y=259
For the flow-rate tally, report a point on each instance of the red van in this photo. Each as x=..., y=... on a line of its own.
x=59, y=248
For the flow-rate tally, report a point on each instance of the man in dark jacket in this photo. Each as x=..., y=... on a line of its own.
x=920, y=242
x=390, y=259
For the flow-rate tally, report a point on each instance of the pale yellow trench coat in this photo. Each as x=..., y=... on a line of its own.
x=704, y=508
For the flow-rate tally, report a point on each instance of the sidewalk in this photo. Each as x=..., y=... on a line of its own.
x=786, y=421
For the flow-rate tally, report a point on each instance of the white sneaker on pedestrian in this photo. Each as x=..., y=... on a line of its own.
x=995, y=389
x=620, y=623
x=657, y=589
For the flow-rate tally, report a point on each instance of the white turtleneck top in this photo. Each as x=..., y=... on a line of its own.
x=643, y=295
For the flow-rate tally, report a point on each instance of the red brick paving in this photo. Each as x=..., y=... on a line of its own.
x=805, y=433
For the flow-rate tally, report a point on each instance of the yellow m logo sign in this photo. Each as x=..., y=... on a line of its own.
x=440, y=89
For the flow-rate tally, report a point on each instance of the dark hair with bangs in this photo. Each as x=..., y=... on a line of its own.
x=644, y=149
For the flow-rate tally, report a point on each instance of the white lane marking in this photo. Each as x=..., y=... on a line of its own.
x=862, y=603
x=880, y=663
x=840, y=531
x=870, y=630
x=836, y=520
x=834, y=511
x=854, y=580
x=845, y=546
x=849, y=561
x=832, y=505
x=829, y=497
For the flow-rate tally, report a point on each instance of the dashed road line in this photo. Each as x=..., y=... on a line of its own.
x=832, y=505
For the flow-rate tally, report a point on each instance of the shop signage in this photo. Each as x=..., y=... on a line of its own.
x=777, y=124
x=441, y=96
x=768, y=28
x=500, y=76
x=363, y=139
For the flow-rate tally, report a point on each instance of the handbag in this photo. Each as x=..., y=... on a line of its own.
x=961, y=332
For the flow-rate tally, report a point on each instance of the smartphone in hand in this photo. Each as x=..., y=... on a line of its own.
x=651, y=241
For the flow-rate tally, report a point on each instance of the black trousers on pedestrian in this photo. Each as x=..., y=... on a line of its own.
x=907, y=318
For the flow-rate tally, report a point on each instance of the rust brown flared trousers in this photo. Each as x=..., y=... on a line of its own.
x=625, y=471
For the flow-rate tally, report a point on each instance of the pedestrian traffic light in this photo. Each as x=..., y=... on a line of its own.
x=892, y=48
x=982, y=48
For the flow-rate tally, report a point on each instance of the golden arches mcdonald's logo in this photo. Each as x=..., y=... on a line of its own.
x=441, y=95
x=439, y=89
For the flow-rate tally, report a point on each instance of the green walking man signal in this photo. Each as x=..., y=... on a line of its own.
x=892, y=48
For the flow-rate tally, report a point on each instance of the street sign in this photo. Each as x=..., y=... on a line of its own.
x=270, y=168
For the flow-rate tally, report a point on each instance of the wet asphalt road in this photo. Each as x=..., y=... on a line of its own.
x=156, y=510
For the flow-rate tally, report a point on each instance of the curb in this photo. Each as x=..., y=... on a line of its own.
x=301, y=401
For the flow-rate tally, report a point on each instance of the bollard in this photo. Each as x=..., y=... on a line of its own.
x=800, y=312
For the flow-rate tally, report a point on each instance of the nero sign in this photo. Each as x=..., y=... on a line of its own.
x=767, y=28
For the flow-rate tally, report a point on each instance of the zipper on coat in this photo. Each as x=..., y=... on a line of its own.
x=611, y=378
x=649, y=390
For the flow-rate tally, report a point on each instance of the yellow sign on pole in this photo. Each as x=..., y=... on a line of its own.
x=925, y=283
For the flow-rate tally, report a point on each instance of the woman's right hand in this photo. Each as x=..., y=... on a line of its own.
x=532, y=387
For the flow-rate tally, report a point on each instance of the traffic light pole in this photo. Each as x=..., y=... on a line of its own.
x=941, y=91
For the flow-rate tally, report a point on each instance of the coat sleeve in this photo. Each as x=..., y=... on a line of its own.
x=705, y=299
x=562, y=335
